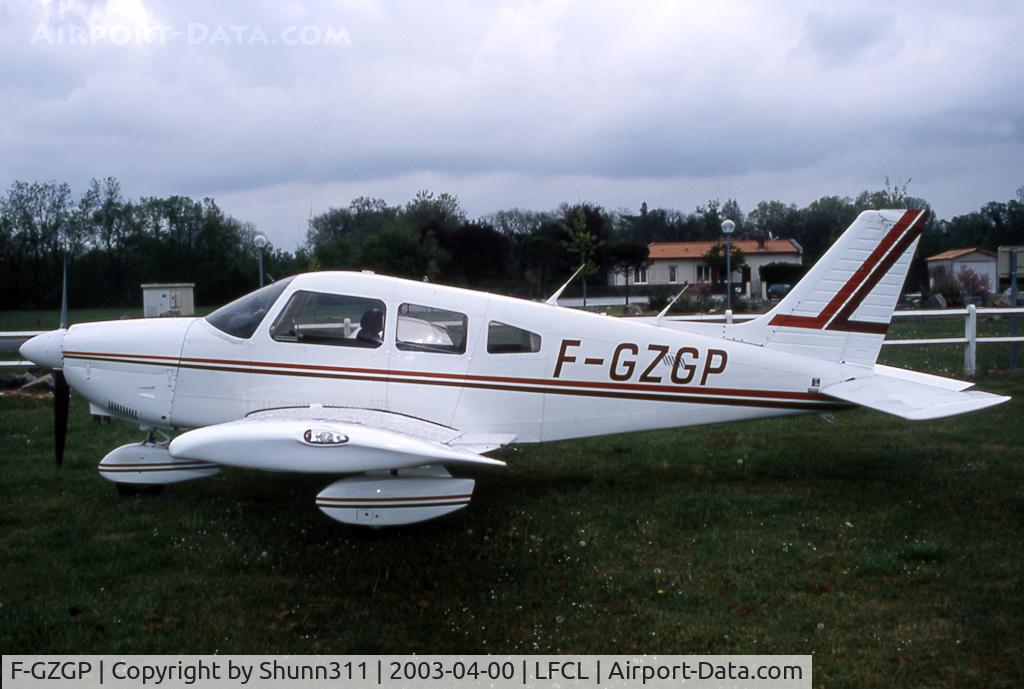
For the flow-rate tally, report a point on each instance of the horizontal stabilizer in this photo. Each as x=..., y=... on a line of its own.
x=923, y=378
x=910, y=399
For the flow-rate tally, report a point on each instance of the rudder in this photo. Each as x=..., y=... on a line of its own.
x=841, y=309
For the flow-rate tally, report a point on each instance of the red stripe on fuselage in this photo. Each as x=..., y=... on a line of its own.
x=243, y=367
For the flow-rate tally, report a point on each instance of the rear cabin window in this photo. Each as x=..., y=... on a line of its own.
x=331, y=319
x=430, y=329
x=503, y=338
x=242, y=316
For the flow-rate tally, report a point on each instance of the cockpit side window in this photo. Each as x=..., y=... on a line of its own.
x=331, y=319
x=503, y=338
x=430, y=329
x=242, y=316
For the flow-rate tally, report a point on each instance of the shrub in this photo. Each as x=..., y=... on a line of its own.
x=785, y=273
x=972, y=283
x=950, y=289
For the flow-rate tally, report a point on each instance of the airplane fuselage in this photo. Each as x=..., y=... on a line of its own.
x=523, y=368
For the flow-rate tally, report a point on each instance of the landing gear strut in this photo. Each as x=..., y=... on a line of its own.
x=145, y=468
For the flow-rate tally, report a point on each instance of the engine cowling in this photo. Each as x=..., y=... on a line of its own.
x=151, y=464
x=383, y=499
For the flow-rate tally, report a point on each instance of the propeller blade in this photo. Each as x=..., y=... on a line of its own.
x=61, y=390
x=64, y=296
x=61, y=399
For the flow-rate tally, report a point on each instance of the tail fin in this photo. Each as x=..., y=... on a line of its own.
x=841, y=309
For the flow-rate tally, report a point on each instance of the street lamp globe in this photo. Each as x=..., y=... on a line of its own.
x=728, y=227
x=260, y=241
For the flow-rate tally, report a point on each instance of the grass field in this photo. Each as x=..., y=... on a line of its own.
x=890, y=550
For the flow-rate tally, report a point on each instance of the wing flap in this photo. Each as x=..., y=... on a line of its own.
x=375, y=418
x=911, y=399
x=481, y=442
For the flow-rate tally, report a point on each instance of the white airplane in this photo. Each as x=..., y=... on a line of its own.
x=393, y=381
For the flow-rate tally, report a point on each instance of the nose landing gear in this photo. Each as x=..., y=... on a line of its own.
x=145, y=468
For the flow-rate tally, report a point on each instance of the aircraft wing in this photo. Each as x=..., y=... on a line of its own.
x=334, y=440
x=912, y=395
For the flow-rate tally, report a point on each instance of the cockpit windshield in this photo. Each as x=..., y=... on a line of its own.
x=242, y=316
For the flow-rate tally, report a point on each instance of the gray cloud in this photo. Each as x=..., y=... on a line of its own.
x=525, y=104
x=836, y=38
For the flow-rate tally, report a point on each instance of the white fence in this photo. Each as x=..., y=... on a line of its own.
x=10, y=341
x=969, y=314
x=970, y=340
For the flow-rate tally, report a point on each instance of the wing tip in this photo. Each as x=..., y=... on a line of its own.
x=979, y=401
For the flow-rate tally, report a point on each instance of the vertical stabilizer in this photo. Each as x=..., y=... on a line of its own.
x=841, y=309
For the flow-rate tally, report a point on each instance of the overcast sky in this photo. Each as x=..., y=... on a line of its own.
x=280, y=108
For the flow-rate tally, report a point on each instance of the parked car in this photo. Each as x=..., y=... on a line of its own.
x=1004, y=298
x=778, y=290
x=910, y=300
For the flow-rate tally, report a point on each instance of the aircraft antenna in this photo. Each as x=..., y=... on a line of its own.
x=553, y=299
x=664, y=311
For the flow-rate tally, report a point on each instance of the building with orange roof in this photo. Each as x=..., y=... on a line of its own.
x=679, y=262
x=947, y=265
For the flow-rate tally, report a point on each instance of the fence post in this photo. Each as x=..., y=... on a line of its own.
x=1013, y=302
x=971, y=334
x=728, y=316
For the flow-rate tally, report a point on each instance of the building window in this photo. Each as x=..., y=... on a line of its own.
x=430, y=329
x=503, y=338
x=331, y=319
x=703, y=273
x=672, y=273
x=640, y=275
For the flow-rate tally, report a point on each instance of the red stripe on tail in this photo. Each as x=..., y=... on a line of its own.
x=854, y=286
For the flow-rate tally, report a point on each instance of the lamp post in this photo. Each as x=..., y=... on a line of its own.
x=260, y=241
x=728, y=227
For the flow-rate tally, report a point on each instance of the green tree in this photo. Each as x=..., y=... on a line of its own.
x=539, y=255
x=401, y=251
x=774, y=219
x=479, y=254
x=336, y=253
x=433, y=215
x=821, y=223
x=891, y=195
x=715, y=258
x=38, y=218
x=625, y=257
x=584, y=244
x=658, y=225
x=731, y=210
x=710, y=219
x=361, y=219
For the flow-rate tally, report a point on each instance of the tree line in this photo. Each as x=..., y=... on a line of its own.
x=114, y=244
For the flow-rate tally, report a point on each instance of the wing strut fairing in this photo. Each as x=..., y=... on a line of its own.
x=315, y=446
